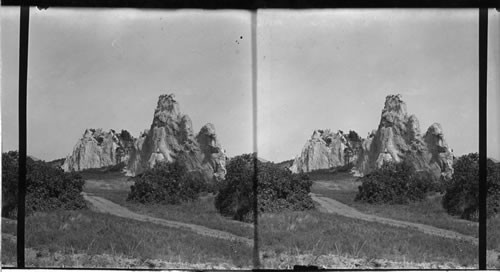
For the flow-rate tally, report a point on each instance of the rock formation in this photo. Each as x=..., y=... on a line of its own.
x=326, y=149
x=171, y=137
x=398, y=137
x=98, y=148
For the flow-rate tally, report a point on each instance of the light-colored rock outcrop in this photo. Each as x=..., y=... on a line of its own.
x=398, y=137
x=98, y=148
x=171, y=138
x=325, y=149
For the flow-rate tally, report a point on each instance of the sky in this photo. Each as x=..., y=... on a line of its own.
x=106, y=69
x=333, y=69
x=99, y=68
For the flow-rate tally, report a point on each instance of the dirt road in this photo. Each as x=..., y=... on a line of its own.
x=333, y=206
x=106, y=206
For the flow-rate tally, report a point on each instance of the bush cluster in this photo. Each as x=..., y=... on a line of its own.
x=396, y=183
x=277, y=190
x=47, y=188
x=462, y=191
x=167, y=183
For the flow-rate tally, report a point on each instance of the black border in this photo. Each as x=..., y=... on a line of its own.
x=258, y=4
x=483, y=81
x=23, y=81
x=252, y=5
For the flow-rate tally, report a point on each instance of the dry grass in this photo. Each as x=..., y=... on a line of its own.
x=69, y=233
x=9, y=246
x=315, y=233
x=493, y=242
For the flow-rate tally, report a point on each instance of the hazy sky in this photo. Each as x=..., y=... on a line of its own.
x=316, y=69
x=333, y=69
x=106, y=69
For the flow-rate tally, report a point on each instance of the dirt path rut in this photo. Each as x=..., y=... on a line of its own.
x=106, y=206
x=334, y=206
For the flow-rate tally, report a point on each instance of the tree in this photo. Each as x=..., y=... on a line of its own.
x=167, y=183
x=277, y=190
x=462, y=191
x=396, y=183
x=47, y=188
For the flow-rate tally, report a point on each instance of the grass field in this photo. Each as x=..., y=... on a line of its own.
x=296, y=233
x=94, y=234
x=429, y=211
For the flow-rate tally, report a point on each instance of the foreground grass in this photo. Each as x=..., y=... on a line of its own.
x=316, y=233
x=428, y=211
x=493, y=241
x=9, y=245
x=77, y=232
x=201, y=211
x=493, y=233
x=9, y=251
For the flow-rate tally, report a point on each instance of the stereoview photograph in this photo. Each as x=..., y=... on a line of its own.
x=132, y=116
x=368, y=139
x=167, y=139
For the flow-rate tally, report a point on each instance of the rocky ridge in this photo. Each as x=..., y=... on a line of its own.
x=397, y=138
x=98, y=148
x=171, y=138
x=326, y=149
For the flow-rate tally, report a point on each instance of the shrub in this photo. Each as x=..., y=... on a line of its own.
x=462, y=191
x=47, y=188
x=278, y=189
x=396, y=183
x=167, y=183
x=353, y=136
x=9, y=183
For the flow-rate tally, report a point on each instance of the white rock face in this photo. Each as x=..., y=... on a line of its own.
x=171, y=137
x=398, y=137
x=325, y=149
x=97, y=149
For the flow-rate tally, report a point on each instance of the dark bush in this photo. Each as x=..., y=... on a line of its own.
x=9, y=183
x=278, y=189
x=462, y=191
x=353, y=136
x=396, y=183
x=167, y=183
x=125, y=136
x=47, y=187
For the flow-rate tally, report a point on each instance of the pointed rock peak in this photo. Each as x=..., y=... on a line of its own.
x=435, y=129
x=435, y=137
x=167, y=108
x=171, y=137
x=394, y=110
x=208, y=129
x=398, y=137
x=394, y=103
